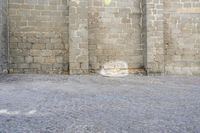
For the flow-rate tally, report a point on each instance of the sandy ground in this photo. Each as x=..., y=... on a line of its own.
x=96, y=104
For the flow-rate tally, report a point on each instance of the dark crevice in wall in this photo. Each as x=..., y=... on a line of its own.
x=144, y=32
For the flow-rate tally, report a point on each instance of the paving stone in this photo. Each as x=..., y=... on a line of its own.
x=96, y=104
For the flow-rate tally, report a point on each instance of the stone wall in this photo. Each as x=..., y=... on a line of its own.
x=161, y=36
x=38, y=36
x=3, y=36
x=182, y=37
x=115, y=33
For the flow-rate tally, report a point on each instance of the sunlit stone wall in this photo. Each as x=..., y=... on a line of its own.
x=182, y=37
x=82, y=36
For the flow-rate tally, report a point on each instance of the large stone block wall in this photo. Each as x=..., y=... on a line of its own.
x=76, y=36
x=182, y=37
x=38, y=36
x=115, y=33
x=3, y=36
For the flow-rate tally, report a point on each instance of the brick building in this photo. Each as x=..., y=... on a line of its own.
x=80, y=36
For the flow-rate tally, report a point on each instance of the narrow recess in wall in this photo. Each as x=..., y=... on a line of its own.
x=8, y=38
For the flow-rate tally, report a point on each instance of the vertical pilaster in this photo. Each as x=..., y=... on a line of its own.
x=78, y=37
x=155, y=36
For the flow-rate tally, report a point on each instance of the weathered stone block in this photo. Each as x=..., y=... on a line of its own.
x=29, y=59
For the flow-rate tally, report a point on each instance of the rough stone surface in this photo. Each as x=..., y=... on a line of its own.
x=3, y=36
x=39, y=36
x=114, y=69
x=93, y=104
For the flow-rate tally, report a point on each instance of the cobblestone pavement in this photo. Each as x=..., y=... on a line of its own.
x=95, y=104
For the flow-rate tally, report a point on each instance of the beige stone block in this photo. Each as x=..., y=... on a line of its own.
x=38, y=46
x=28, y=59
x=59, y=59
x=50, y=60
x=38, y=59
x=23, y=65
x=35, y=52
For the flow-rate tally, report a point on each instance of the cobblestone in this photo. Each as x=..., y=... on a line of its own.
x=95, y=104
